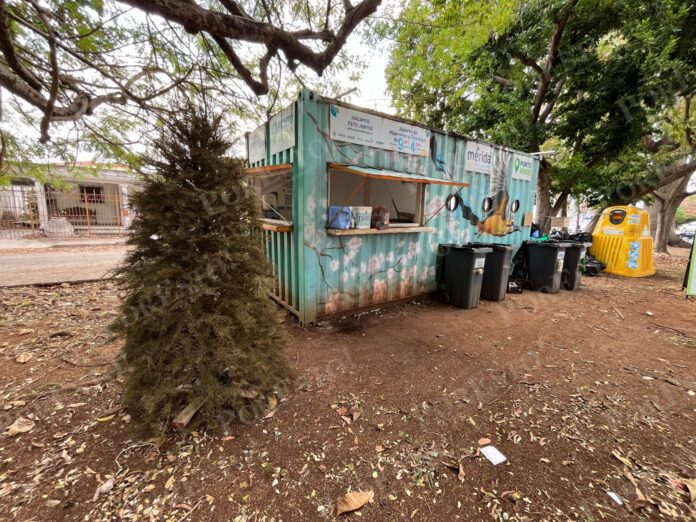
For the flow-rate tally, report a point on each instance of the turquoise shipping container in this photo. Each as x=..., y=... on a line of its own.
x=330, y=153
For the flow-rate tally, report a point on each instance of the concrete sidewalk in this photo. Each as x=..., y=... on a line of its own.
x=50, y=266
x=39, y=243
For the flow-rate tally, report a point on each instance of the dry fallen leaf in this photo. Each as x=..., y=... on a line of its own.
x=617, y=455
x=352, y=501
x=103, y=488
x=24, y=357
x=513, y=496
x=170, y=483
x=21, y=425
x=691, y=486
x=484, y=442
x=272, y=402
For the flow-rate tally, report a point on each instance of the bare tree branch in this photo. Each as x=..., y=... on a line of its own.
x=665, y=176
x=8, y=50
x=234, y=8
x=549, y=106
x=54, y=66
x=546, y=70
x=55, y=73
x=259, y=86
x=508, y=84
x=196, y=19
x=653, y=146
x=529, y=62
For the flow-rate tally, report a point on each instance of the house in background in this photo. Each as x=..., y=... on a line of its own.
x=85, y=199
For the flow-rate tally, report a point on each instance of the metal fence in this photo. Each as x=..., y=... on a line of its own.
x=28, y=211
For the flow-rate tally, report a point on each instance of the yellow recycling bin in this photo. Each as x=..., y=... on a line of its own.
x=621, y=240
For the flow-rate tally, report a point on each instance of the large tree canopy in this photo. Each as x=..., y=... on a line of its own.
x=65, y=60
x=586, y=78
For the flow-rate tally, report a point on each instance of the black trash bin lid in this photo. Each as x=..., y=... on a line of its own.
x=500, y=247
x=551, y=244
x=469, y=248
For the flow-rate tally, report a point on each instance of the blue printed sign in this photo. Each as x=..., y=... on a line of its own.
x=363, y=128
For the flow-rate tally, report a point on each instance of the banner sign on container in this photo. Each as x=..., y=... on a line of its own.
x=282, y=130
x=522, y=167
x=370, y=130
x=479, y=157
x=257, y=144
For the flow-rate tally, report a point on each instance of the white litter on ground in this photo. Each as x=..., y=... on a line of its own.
x=492, y=454
x=615, y=498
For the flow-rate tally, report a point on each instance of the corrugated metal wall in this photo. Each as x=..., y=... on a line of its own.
x=327, y=273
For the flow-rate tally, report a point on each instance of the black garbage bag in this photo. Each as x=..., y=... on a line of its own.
x=579, y=237
x=591, y=266
x=520, y=266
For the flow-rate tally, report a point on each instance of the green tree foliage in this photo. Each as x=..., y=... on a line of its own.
x=196, y=319
x=681, y=217
x=586, y=78
x=688, y=211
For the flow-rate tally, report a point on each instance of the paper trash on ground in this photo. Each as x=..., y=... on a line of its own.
x=492, y=454
x=615, y=498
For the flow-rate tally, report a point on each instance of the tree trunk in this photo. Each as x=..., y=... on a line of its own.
x=544, y=208
x=654, y=211
x=668, y=201
x=676, y=241
x=595, y=219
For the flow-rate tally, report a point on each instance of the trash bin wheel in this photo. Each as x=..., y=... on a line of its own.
x=443, y=297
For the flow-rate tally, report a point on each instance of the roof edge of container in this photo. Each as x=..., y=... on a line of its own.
x=347, y=105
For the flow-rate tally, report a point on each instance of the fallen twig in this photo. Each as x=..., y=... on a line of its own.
x=72, y=387
x=188, y=513
x=80, y=365
x=673, y=329
x=185, y=416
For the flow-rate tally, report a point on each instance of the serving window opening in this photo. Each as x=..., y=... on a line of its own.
x=403, y=199
x=273, y=187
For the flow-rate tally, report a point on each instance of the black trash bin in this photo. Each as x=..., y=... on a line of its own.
x=575, y=252
x=496, y=272
x=545, y=261
x=460, y=269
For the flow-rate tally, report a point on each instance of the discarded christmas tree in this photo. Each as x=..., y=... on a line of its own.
x=199, y=328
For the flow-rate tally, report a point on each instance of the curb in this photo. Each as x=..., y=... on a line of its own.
x=57, y=283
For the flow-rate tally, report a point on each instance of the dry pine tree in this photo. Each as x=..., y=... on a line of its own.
x=199, y=327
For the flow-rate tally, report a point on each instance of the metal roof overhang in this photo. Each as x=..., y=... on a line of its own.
x=269, y=169
x=368, y=172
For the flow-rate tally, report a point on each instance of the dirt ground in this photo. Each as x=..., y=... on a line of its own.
x=586, y=393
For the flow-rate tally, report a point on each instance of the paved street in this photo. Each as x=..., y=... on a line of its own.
x=57, y=266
